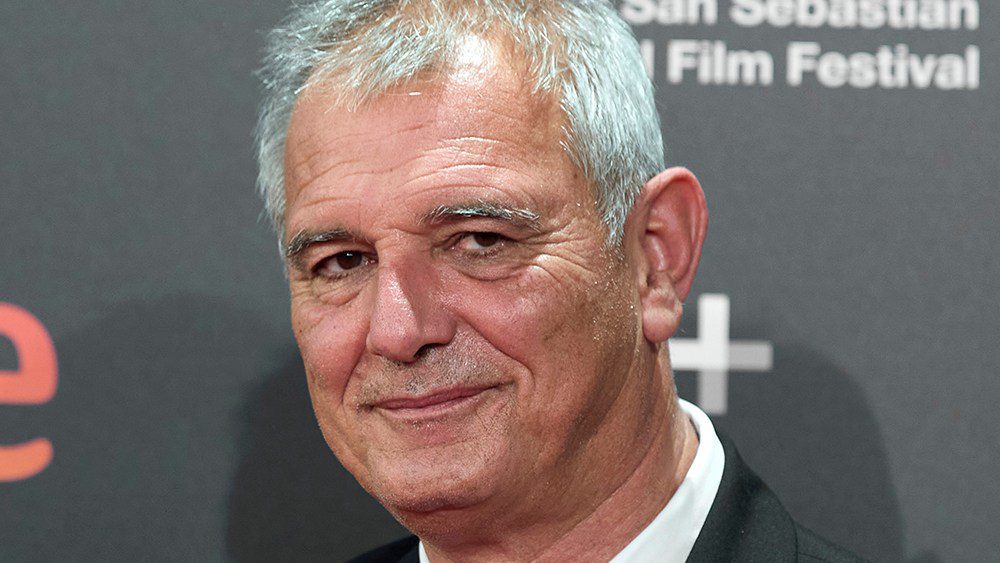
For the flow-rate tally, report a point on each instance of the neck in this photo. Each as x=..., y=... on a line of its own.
x=665, y=447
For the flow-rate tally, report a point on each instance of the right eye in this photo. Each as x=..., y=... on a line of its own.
x=341, y=264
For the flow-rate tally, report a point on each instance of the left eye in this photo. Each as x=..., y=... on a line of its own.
x=481, y=242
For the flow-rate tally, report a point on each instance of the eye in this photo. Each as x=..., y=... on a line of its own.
x=486, y=240
x=481, y=242
x=342, y=263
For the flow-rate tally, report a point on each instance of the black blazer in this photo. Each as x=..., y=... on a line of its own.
x=746, y=523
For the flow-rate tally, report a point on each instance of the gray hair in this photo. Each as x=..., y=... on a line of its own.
x=577, y=50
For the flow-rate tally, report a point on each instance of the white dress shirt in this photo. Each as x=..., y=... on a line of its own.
x=670, y=537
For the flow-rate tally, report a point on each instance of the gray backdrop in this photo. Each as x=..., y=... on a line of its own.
x=855, y=230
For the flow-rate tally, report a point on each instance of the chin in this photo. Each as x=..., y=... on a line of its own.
x=435, y=483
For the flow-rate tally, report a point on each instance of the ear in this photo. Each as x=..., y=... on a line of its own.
x=668, y=224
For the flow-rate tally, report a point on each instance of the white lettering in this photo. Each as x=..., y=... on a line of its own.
x=638, y=12
x=889, y=67
x=801, y=58
x=964, y=10
x=670, y=12
x=705, y=60
x=903, y=12
x=886, y=77
x=719, y=62
x=715, y=64
x=900, y=65
x=950, y=74
x=750, y=68
x=863, y=70
x=747, y=13
x=832, y=70
x=812, y=13
x=682, y=55
x=972, y=61
x=701, y=11
x=921, y=70
x=932, y=15
x=843, y=13
x=871, y=13
x=867, y=14
x=781, y=13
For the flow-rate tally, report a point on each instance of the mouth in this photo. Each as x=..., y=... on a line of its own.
x=429, y=406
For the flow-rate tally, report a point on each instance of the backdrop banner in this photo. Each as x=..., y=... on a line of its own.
x=842, y=330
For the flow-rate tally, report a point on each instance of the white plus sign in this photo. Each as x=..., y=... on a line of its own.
x=712, y=354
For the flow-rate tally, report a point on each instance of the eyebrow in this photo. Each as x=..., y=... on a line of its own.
x=482, y=209
x=297, y=246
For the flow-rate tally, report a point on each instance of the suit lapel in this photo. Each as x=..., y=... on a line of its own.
x=399, y=551
x=412, y=556
x=746, y=521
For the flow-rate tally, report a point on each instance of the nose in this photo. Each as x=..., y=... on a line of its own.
x=407, y=316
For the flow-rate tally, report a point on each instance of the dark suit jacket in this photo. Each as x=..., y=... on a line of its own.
x=746, y=523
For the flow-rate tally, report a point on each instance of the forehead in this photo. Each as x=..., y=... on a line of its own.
x=477, y=125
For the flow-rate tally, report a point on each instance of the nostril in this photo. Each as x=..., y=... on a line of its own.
x=423, y=350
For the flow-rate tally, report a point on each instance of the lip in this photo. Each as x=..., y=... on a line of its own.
x=432, y=405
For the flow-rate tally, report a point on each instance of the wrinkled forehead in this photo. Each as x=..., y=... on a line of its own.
x=474, y=66
x=483, y=96
x=352, y=79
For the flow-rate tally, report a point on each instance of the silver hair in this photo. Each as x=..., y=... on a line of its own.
x=577, y=50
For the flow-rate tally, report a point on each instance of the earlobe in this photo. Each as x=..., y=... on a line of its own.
x=671, y=219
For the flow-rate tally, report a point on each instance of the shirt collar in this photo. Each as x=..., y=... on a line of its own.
x=671, y=535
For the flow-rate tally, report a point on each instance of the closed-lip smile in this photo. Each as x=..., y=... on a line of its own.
x=430, y=405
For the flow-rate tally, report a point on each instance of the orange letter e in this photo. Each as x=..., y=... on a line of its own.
x=33, y=383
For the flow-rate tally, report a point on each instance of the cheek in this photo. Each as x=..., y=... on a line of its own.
x=566, y=328
x=518, y=318
x=331, y=340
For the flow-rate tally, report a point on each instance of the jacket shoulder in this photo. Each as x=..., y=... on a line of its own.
x=748, y=523
x=812, y=548
x=399, y=551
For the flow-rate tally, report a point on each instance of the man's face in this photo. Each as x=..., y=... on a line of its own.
x=467, y=336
